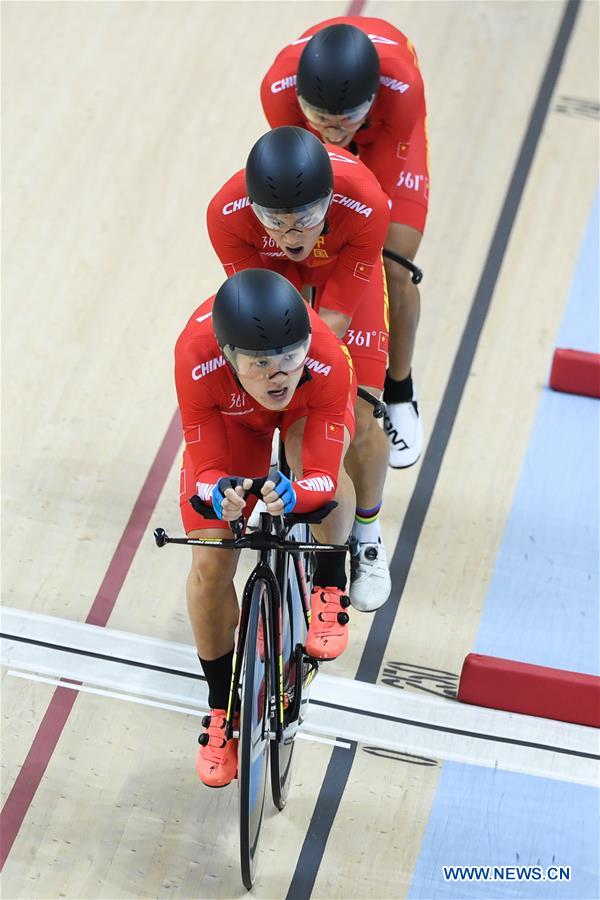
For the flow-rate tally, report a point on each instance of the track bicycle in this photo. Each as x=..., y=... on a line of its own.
x=271, y=670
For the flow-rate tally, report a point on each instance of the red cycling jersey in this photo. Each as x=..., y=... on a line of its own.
x=345, y=265
x=228, y=433
x=393, y=141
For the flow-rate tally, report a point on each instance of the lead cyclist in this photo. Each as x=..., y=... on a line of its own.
x=249, y=360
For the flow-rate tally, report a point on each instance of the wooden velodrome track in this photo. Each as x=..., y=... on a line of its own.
x=120, y=122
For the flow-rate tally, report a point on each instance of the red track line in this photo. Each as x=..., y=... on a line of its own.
x=32, y=770
x=356, y=7
x=55, y=719
x=134, y=531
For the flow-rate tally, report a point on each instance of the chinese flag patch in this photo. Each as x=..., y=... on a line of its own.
x=192, y=435
x=402, y=151
x=363, y=271
x=383, y=341
x=334, y=432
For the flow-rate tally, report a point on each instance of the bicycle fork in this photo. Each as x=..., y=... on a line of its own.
x=262, y=572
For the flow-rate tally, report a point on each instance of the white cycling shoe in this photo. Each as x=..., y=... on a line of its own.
x=370, y=581
x=404, y=428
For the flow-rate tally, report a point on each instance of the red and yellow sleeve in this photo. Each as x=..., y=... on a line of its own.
x=384, y=157
x=203, y=428
x=234, y=252
x=356, y=262
x=278, y=97
x=323, y=440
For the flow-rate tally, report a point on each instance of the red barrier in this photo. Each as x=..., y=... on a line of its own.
x=533, y=690
x=576, y=372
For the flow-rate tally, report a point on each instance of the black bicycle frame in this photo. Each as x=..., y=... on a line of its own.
x=284, y=468
x=262, y=571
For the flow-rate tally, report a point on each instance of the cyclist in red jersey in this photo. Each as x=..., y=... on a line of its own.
x=253, y=358
x=318, y=216
x=356, y=83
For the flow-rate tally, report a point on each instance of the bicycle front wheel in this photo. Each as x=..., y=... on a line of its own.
x=293, y=627
x=253, y=751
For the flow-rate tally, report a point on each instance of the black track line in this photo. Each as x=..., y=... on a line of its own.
x=185, y=674
x=477, y=735
x=350, y=709
x=106, y=656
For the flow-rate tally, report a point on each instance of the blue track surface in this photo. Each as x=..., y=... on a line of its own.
x=485, y=817
x=542, y=607
x=542, y=604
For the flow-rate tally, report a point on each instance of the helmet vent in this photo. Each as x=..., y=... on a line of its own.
x=273, y=187
x=260, y=328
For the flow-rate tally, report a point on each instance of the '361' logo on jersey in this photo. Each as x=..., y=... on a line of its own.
x=414, y=182
x=237, y=401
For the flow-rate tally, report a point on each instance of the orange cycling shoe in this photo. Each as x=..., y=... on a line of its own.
x=327, y=636
x=216, y=763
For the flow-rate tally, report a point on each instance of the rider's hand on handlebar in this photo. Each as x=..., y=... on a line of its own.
x=279, y=495
x=231, y=502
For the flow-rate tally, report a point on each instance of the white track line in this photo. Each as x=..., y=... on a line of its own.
x=375, y=715
x=115, y=695
x=130, y=698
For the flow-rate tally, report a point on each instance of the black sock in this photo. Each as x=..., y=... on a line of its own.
x=398, y=391
x=331, y=570
x=218, y=677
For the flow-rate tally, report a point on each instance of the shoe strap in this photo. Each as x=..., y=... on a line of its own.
x=216, y=733
x=328, y=616
x=328, y=598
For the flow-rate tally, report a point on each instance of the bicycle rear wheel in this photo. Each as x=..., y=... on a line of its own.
x=293, y=625
x=253, y=751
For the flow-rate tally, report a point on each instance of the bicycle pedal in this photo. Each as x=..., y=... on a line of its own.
x=312, y=660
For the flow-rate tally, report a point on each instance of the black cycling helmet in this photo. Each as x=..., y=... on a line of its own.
x=288, y=168
x=258, y=313
x=338, y=69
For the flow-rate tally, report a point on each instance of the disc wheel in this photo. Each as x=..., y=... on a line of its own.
x=253, y=751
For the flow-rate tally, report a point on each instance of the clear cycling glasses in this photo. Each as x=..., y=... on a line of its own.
x=256, y=364
x=347, y=119
x=297, y=219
